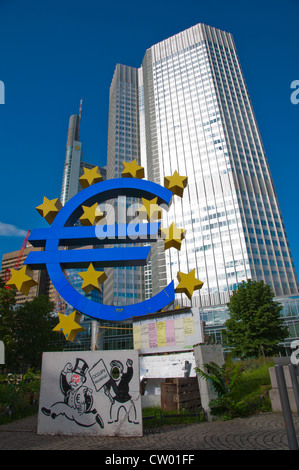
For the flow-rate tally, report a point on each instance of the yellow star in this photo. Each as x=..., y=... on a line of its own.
x=69, y=325
x=132, y=170
x=188, y=283
x=21, y=280
x=90, y=176
x=49, y=209
x=176, y=183
x=173, y=236
x=150, y=210
x=91, y=215
x=92, y=279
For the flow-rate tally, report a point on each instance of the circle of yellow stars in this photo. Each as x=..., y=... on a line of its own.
x=173, y=236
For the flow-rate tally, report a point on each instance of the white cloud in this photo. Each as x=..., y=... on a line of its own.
x=8, y=230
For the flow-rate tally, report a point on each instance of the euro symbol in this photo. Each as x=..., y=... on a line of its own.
x=63, y=233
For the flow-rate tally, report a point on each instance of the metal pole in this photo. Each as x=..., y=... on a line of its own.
x=93, y=339
x=286, y=409
x=293, y=375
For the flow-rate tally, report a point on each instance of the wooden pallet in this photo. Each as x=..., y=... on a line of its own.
x=180, y=393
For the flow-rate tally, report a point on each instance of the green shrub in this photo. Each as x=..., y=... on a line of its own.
x=18, y=393
x=227, y=408
x=242, y=397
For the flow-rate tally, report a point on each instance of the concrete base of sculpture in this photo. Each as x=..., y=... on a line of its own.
x=90, y=393
x=204, y=354
x=274, y=392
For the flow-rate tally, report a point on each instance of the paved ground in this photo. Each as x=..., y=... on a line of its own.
x=264, y=431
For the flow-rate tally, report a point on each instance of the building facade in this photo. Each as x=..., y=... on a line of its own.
x=198, y=119
x=124, y=285
x=73, y=161
x=43, y=287
x=192, y=113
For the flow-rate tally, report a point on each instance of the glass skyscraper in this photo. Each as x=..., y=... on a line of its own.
x=187, y=108
x=124, y=285
x=72, y=163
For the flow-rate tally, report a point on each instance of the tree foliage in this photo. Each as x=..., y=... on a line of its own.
x=7, y=303
x=7, y=298
x=255, y=326
x=26, y=330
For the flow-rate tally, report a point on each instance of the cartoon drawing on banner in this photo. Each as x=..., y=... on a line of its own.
x=78, y=400
x=121, y=399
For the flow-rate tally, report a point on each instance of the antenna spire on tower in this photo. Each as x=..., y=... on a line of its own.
x=80, y=113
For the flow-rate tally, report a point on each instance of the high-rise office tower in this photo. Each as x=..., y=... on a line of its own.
x=202, y=124
x=73, y=160
x=73, y=169
x=73, y=164
x=196, y=117
x=124, y=285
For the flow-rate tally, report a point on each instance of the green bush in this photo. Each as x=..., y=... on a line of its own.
x=18, y=393
x=249, y=393
x=228, y=408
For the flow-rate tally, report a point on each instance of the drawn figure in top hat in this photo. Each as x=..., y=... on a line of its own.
x=78, y=400
x=119, y=385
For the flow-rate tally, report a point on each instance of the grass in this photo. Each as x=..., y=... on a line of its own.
x=255, y=383
x=255, y=375
x=156, y=417
x=26, y=411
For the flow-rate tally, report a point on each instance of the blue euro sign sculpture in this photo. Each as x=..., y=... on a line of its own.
x=63, y=233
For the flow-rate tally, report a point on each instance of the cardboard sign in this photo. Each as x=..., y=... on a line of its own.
x=99, y=375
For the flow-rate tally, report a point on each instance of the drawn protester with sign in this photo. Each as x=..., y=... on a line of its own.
x=78, y=399
x=119, y=385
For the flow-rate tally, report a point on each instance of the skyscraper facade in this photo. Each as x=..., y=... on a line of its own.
x=73, y=161
x=187, y=109
x=196, y=117
x=124, y=285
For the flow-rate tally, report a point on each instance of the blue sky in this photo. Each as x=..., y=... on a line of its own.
x=54, y=53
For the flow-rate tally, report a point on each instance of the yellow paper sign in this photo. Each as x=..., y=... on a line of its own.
x=188, y=326
x=161, y=334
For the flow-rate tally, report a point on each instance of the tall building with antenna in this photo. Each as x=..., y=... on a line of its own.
x=73, y=163
x=73, y=159
x=73, y=169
